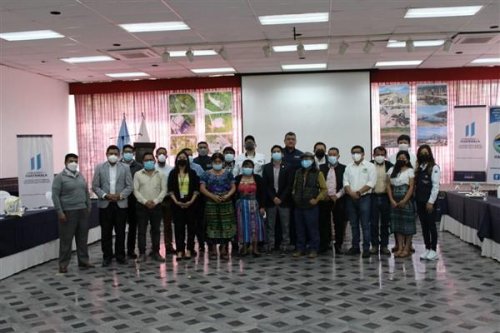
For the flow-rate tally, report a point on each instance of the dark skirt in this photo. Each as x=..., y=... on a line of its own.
x=402, y=219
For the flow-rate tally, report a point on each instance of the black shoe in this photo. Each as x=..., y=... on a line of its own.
x=352, y=252
x=85, y=265
x=122, y=261
x=132, y=255
x=106, y=262
x=63, y=269
x=366, y=254
x=338, y=250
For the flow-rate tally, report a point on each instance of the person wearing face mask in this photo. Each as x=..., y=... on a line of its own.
x=71, y=199
x=112, y=183
x=203, y=158
x=183, y=188
x=404, y=145
x=166, y=205
x=381, y=207
x=332, y=204
x=427, y=177
x=320, y=154
x=192, y=165
x=360, y=178
x=250, y=154
x=291, y=155
x=249, y=209
x=229, y=159
x=400, y=189
x=278, y=186
x=150, y=188
x=308, y=189
x=217, y=185
x=128, y=159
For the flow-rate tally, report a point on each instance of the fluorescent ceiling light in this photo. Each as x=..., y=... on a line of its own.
x=294, y=18
x=30, y=35
x=155, y=26
x=442, y=11
x=416, y=43
x=307, y=47
x=303, y=66
x=213, y=70
x=131, y=74
x=196, y=53
x=78, y=60
x=398, y=63
x=485, y=60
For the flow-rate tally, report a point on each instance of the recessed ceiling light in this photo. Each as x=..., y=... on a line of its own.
x=131, y=74
x=416, y=43
x=213, y=70
x=155, y=26
x=442, y=11
x=77, y=60
x=196, y=53
x=30, y=35
x=485, y=60
x=294, y=18
x=293, y=48
x=303, y=66
x=398, y=63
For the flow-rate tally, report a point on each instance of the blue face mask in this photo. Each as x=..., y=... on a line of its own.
x=217, y=167
x=229, y=158
x=332, y=159
x=127, y=157
x=306, y=163
x=246, y=171
x=149, y=165
x=276, y=157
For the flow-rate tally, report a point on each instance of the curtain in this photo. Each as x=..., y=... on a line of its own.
x=477, y=92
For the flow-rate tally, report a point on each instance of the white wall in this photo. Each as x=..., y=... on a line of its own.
x=330, y=107
x=31, y=104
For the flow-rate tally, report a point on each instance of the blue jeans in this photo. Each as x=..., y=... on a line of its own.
x=358, y=212
x=306, y=221
x=381, y=212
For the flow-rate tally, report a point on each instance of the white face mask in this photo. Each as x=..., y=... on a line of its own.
x=72, y=166
x=356, y=157
x=162, y=158
x=112, y=159
x=379, y=159
x=404, y=146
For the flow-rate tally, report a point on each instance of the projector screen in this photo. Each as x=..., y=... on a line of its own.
x=330, y=107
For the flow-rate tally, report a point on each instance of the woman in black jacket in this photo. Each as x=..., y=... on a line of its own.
x=183, y=188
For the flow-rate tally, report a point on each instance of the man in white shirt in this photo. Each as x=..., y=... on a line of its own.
x=258, y=159
x=166, y=206
x=404, y=144
x=359, y=179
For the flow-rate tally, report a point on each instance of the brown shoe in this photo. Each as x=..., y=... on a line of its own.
x=63, y=269
x=312, y=255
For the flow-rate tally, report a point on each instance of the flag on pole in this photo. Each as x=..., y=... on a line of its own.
x=143, y=135
x=123, y=136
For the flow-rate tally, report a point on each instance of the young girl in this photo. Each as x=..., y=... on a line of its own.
x=400, y=189
x=427, y=189
x=249, y=209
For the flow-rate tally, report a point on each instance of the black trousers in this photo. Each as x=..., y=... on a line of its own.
x=184, y=217
x=428, y=223
x=325, y=224
x=199, y=215
x=113, y=217
x=132, y=224
x=153, y=216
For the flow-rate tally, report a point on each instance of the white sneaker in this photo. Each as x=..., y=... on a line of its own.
x=424, y=255
x=432, y=255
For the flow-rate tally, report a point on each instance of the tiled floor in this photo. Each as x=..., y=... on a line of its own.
x=458, y=293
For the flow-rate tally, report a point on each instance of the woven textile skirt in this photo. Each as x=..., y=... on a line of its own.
x=220, y=221
x=250, y=222
x=402, y=219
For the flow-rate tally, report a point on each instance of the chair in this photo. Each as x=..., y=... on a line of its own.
x=3, y=195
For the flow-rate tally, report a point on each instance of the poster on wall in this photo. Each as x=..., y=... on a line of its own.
x=218, y=107
x=182, y=115
x=394, y=113
x=470, y=143
x=494, y=145
x=35, y=169
x=432, y=114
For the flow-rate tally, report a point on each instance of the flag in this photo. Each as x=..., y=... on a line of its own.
x=123, y=136
x=143, y=135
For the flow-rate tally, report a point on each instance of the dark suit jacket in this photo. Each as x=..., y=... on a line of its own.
x=339, y=173
x=173, y=184
x=285, y=182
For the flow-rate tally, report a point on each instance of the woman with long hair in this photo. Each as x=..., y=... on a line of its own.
x=400, y=190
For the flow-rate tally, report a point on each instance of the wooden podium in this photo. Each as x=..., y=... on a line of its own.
x=143, y=147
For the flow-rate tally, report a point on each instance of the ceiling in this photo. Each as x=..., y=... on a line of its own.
x=91, y=28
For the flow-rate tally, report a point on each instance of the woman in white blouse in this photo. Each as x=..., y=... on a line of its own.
x=400, y=190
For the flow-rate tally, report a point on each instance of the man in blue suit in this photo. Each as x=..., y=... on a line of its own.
x=112, y=183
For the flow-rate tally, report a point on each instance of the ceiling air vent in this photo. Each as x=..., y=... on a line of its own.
x=133, y=54
x=476, y=39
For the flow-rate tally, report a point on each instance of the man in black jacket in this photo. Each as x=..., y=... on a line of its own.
x=278, y=185
x=333, y=171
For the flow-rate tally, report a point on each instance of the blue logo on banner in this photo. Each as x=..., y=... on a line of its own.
x=496, y=176
x=470, y=129
x=36, y=162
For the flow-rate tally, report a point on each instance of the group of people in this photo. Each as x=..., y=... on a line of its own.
x=289, y=204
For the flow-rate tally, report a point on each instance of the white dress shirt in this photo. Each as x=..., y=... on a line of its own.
x=358, y=175
x=258, y=160
x=165, y=170
x=112, y=179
